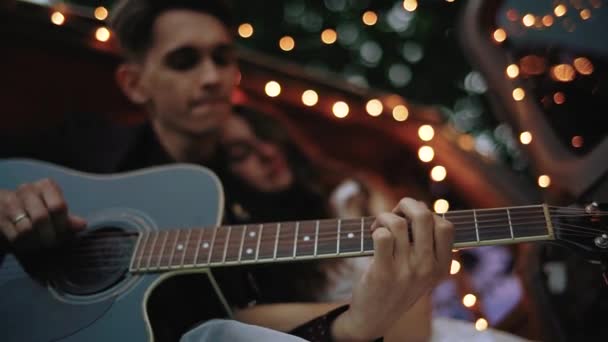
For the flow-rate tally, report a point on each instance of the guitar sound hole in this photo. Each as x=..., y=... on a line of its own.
x=94, y=262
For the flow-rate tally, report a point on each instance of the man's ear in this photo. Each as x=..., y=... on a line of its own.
x=129, y=77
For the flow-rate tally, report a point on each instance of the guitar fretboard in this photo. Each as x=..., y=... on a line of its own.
x=285, y=241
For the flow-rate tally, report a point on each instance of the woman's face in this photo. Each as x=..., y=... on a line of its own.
x=260, y=164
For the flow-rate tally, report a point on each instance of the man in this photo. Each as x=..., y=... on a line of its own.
x=181, y=66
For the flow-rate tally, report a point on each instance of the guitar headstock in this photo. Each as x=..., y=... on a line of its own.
x=584, y=229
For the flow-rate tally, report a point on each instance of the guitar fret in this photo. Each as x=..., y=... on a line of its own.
x=152, y=249
x=199, y=242
x=510, y=224
x=316, y=238
x=338, y=237
x=226, y=244
x=186, y=244
x=295, y=239
x=211, y=245
x=174, y=248
x=242, y=242
x=476, y=225
x=257, y=250
x=141, y=249
x=276, y=240
x=162, y=249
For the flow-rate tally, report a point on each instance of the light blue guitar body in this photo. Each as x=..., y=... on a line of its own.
x=172, y=196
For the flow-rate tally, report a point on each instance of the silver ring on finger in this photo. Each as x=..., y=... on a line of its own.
x=20, y=217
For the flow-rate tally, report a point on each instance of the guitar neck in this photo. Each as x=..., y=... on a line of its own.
x=189, y=248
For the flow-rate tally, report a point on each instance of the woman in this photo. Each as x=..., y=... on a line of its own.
x=267, y=178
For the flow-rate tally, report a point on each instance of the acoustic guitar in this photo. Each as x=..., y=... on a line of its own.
x=148, y=228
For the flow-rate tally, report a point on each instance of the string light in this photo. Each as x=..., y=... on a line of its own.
x=563, y=72
x=547, y=20
x=525, y=137
x=410, y=5
x=57, y=18
x=577, y=141
x=560, y=10
x=273, y=89
x=481, y=324
x=310, y=97
x=102, y=34
x=340, y=109
x=512, y=71
x=426, y=153
x=400, y=112
x=101, y=13
x=544, y=181
x=518, y=94
x=329, y=36
x=559, y=98
x=512, y=15
x=466, y=142
x=426, y=132
x=583, y=65
x=245, y=30
x=441, y=206
x=469, y=300
x=370, y=18
x=455, y=267
x=499, y=35
x=287, y=43
x=528, y=20
x=585, y=14
x=438, y=173
x=374, y=107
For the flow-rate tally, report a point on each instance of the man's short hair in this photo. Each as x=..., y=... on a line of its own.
x=133, y=20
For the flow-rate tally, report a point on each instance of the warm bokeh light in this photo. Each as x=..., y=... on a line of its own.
x=329, y=36
x=438, y=173
x=102, y=34
x=370, y=18
x=57, y=18
x=518, y=94
x=466, y=142
x=577, y=141
x=400, y=112
x=441, y=206
x=559, y=98
x=410, y=5
x=426, y=153
x=273, y=89
x=310, y=97
x=469, y=300
x=563, y=72
x=340, y=109
x=374, y=107
x=481, y=324
x=583, y=65
x=544, y=181
x=585, y=14
x=512, y=15
x=547, y=20
x=512, y=71
x=455, y=267
x=101, y=13
x=245, y=30
x=287, y=43
x=528, y=20
x=499, y=35
x=559, y=10
x=426, y=132
x=525, y=137
x=532, y=65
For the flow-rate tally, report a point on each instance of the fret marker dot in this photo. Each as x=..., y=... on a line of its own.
x=249, y=251
x=206, y=245
x=180, y=247
x=350, y=235
x=251, y=234
x=306, y=238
